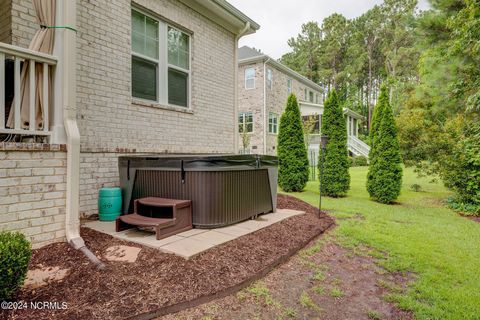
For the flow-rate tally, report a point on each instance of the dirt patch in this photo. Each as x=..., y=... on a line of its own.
x=324, y=281
x=157, y=280
x=41, y=276
x=122, y=253
x=476, y=219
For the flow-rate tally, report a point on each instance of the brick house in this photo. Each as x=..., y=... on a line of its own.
x=264, y=85
x=149, y=76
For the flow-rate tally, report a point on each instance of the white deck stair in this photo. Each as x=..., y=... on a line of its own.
x=358, y=147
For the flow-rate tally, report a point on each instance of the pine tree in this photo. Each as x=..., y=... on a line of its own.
x=384, y=179
x=336, y=177
x=292, y=153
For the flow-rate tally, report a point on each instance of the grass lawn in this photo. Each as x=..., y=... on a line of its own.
x=417, y=235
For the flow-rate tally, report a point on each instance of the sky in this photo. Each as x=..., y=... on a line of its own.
x=281, y=20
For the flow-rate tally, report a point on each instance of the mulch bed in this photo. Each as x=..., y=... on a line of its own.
x=158, y=280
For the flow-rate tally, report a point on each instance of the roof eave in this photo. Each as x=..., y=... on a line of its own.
x=352, y=113
x=298, y=76
x=224, y=14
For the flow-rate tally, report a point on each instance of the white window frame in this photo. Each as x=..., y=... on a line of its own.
x=289, y=85
x=311, y=96
x=249, y=78
x=243, y=122
x=162, y=62
x=269, y=78
x=274, y=125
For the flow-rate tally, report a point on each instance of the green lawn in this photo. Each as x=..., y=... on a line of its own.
x=419, y=235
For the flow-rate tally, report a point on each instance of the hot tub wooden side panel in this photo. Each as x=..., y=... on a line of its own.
x=219, y=198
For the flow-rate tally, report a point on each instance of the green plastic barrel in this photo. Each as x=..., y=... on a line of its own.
x=109, y=203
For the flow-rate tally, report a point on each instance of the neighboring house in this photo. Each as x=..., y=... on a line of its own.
x=264, y=85
x=149, y=76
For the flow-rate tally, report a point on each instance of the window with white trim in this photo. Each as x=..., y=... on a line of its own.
x=160, y=61
x=305, y=94
x=317, y=99
x=289, y=86
x=269, y=79
x=245, y=122
x=273, y=123
x=249, y=78
x=311, y=96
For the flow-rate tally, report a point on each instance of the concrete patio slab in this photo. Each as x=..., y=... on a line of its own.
x=192, y=232
x=234, y=230
x=192, y=242
x=213, y=237
x=186, y=247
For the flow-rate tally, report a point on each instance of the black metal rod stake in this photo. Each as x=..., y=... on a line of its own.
x=321, y=179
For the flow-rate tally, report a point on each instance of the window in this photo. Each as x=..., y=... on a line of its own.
x=145, y=60
x=160, y=61
x=289, y=86
x=245, y=122
x=178, y=66
x=311, y=96
x=273, y=123
x=269, y=78
x=317, y=100
x=305, y=94
x=250, y=78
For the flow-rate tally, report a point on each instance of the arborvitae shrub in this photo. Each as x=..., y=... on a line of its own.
x=336, y=178
x=384, y=179
x=292, y=153
x=15, y=253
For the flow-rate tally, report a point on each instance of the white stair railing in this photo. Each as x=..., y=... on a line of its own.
x=17, y=55
x=358, y=147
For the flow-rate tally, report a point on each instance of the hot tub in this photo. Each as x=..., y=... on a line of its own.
x=224, y=189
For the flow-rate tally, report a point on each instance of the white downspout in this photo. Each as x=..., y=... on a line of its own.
x=235, y=74
x=69, y=95
x=265, y=106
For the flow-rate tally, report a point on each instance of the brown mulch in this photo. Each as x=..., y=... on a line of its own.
x=157, y=280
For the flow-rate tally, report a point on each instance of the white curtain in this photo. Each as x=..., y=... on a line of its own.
x=42, y=42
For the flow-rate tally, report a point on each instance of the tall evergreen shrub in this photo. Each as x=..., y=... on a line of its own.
x=378, y=113
x=336, y=177
x=291, y=150
x=384, y=179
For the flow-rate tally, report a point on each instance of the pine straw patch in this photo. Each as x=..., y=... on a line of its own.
x=158, y=280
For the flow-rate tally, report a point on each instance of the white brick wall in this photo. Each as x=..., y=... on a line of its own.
x=24, y=23
x=108, y=120
x=107, y=117
x=97, y=170
x=32, y=194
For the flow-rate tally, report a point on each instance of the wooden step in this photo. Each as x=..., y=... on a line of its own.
x=142, y=221
x=163, y=202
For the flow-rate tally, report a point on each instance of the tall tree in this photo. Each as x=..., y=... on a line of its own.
x=333, y=47
x=305, y=52
x=336, y=176
x=292, y=153
x=398, y=44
